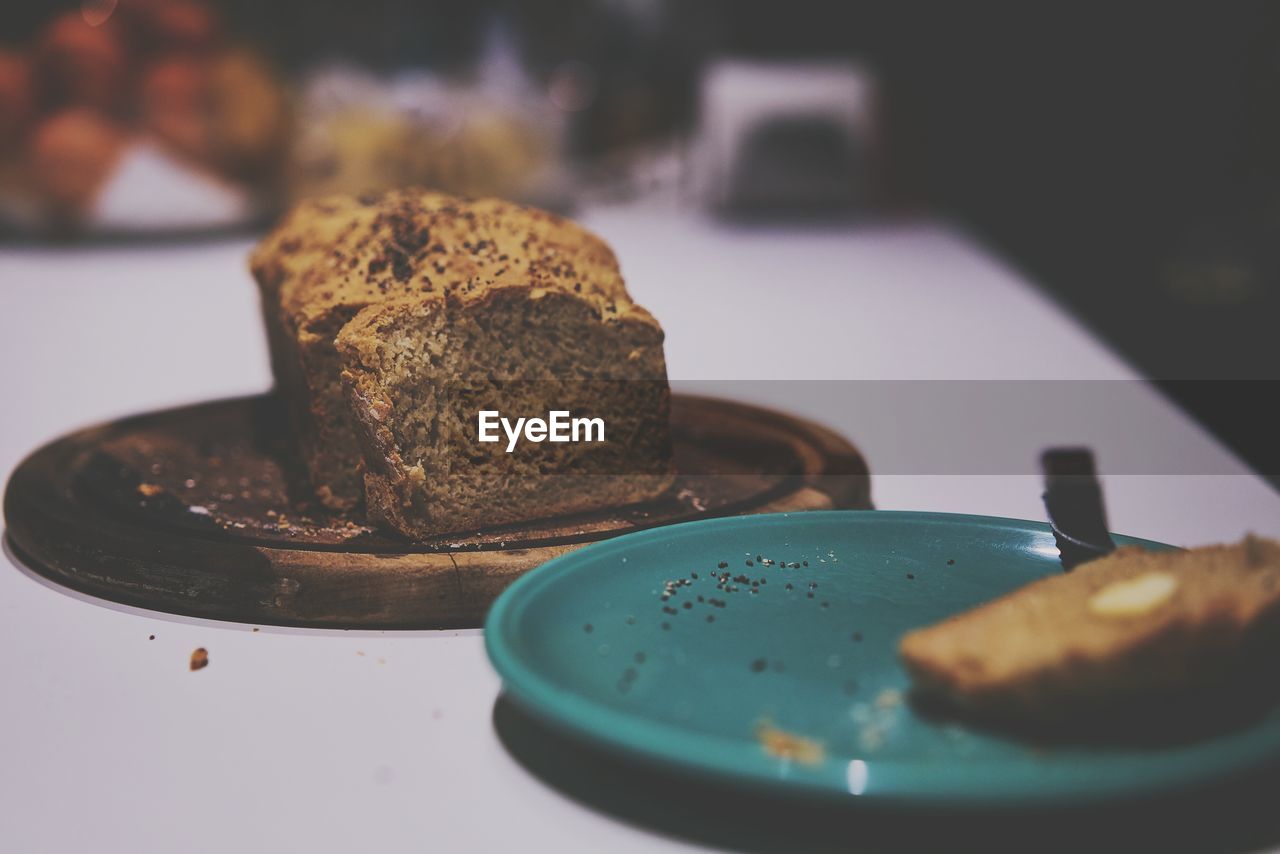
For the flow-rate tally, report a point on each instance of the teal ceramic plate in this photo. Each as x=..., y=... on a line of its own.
x=786, y=674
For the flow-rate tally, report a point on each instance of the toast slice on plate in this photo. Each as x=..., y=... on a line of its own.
x=1130, y=633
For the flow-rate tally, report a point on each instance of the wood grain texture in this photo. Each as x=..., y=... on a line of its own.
x=203, y=511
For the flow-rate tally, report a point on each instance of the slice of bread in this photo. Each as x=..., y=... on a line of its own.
x=1133, y=629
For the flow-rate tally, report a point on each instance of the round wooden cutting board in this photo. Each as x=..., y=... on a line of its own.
x=203, y=511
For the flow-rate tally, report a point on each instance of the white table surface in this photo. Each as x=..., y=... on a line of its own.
x=383, y=741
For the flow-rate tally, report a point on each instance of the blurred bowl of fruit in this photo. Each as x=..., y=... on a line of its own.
x=139, y=116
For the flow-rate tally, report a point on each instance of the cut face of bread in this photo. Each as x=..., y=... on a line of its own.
x=1132, y=627
x=332, y=258
x=419, y=372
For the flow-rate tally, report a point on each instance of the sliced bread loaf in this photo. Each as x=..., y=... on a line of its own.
x=431, y=296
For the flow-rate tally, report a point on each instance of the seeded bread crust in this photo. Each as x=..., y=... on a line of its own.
x=1049, y=655
x=331, y=259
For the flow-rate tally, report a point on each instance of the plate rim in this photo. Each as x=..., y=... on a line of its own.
x=891, y=781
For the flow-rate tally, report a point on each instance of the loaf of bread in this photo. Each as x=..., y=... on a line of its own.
x=1134, y=630
x=395, y=319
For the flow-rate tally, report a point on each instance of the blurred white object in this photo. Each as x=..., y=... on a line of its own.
x=795, y=136
x=151, y=191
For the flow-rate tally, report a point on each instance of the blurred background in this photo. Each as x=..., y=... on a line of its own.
x=1125, y=156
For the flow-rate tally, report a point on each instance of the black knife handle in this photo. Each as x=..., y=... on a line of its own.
x=1073, y=500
